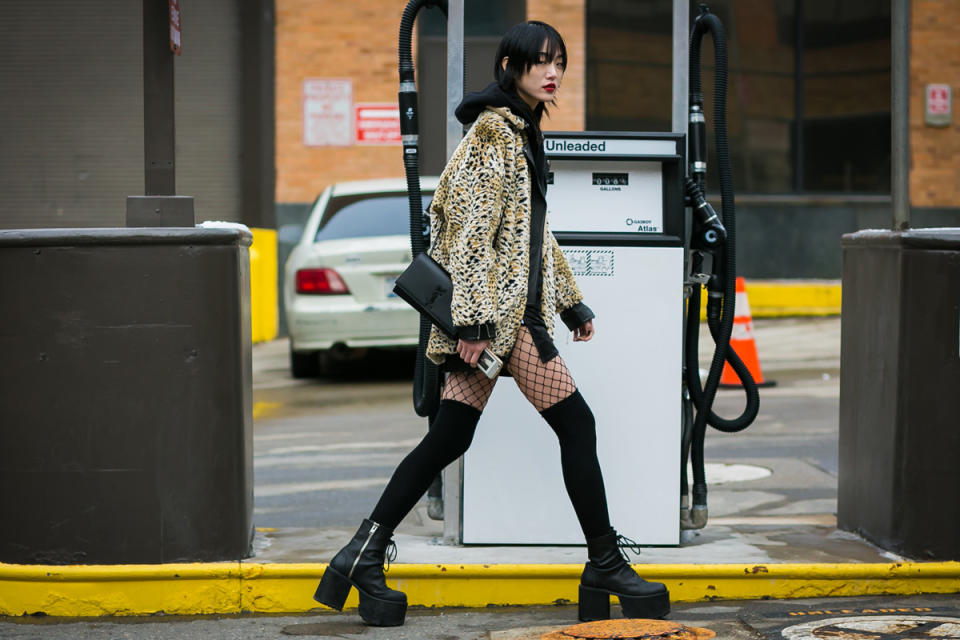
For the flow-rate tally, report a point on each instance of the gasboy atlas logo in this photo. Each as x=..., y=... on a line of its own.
x=895, y=627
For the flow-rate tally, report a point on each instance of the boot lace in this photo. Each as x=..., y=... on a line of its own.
x=389, y=555
x=624, y=541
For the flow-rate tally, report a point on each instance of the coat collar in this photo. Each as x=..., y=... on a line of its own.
x=518, y=123
x=505, y=113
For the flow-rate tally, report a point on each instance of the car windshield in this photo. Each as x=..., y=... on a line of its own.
x=366, y=215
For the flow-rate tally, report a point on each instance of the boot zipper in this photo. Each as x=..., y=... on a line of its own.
x=373, y=529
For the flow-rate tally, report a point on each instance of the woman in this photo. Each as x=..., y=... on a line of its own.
x=489, y=230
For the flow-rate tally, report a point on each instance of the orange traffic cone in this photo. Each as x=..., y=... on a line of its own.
x=741, y=341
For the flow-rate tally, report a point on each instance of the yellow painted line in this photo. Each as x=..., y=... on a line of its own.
x=262, y=409
x=288, y=588
x=784, y=298
x=263, y=285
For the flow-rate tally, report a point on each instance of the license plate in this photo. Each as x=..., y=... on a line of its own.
x=388, y=283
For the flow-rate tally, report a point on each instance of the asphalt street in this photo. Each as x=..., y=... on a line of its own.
x=325, y=448
x=875, y=618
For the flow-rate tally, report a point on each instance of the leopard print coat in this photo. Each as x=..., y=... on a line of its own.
x=480, y=233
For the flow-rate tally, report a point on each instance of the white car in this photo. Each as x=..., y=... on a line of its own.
x=338, y=286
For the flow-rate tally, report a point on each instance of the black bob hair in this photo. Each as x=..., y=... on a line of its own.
x=522, y=46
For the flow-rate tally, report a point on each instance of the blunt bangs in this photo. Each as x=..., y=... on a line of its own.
x=522, y=45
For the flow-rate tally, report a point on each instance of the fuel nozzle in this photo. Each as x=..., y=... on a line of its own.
x=709, y=233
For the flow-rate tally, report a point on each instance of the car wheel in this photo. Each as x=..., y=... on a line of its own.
x=304, y=364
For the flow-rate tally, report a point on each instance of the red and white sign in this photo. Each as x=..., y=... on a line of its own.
x=938, y=99
x=939, y=105
x=377, y=123
x=327, y=112
x=174, y=26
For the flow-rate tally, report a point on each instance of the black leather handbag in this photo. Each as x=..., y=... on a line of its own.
x=427, y=287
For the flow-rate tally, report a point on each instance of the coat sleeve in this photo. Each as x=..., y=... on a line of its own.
x=569, y=299
x=474, y=210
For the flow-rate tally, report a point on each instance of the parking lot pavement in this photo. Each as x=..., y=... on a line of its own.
x=324, y=450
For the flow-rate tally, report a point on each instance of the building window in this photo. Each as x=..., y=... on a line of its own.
x=484, y=24
x=808, y=97
x=629, y=65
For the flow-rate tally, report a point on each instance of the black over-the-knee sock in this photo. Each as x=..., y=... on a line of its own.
x=572, y=421
x=446, y=441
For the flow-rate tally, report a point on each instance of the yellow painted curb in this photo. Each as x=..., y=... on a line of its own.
x=263, y=285
x=772, y=298
x=785, y=298
x=288, y=588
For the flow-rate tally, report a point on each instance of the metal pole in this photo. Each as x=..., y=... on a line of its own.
x=257, y=108
x=681, y=63
x=159, y=133
x=454, y=73
x=453, y=474
x=798, y=97
x=900, y=112
x=160, y=207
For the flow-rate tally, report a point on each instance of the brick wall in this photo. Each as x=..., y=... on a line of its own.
x=357, y=39
x=934, y=58
x=567, y=17
x=354, y=39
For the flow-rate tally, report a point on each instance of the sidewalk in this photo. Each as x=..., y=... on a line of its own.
x=873, y=618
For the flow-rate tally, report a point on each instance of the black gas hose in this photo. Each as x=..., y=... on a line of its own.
x=426, y=377
x=722, y=288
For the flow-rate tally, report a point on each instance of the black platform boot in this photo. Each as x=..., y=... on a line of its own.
x=360, y=564
x=607, y=573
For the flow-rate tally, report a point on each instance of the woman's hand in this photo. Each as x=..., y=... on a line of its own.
x=584, y=332
x=470, y=350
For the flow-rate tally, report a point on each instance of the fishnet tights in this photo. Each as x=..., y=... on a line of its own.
x=469, y=387
x=542, y=383
x=549, y=387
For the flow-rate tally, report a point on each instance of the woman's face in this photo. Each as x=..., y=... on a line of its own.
x=541, y=82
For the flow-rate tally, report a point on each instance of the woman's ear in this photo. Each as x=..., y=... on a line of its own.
x=503, y=63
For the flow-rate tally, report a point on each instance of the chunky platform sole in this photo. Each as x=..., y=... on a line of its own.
x=595, y=604
x=335, y=587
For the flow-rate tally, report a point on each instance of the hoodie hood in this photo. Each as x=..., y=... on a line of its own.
x=494, y=96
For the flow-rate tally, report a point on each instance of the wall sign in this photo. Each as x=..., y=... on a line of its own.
x=327, y=112
x=174, y=6
x=377, y=123
x=939, y=105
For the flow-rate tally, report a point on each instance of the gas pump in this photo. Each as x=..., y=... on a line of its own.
x=716, y=241
x=617, y=206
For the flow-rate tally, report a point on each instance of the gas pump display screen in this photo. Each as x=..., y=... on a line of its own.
x=613, y=196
